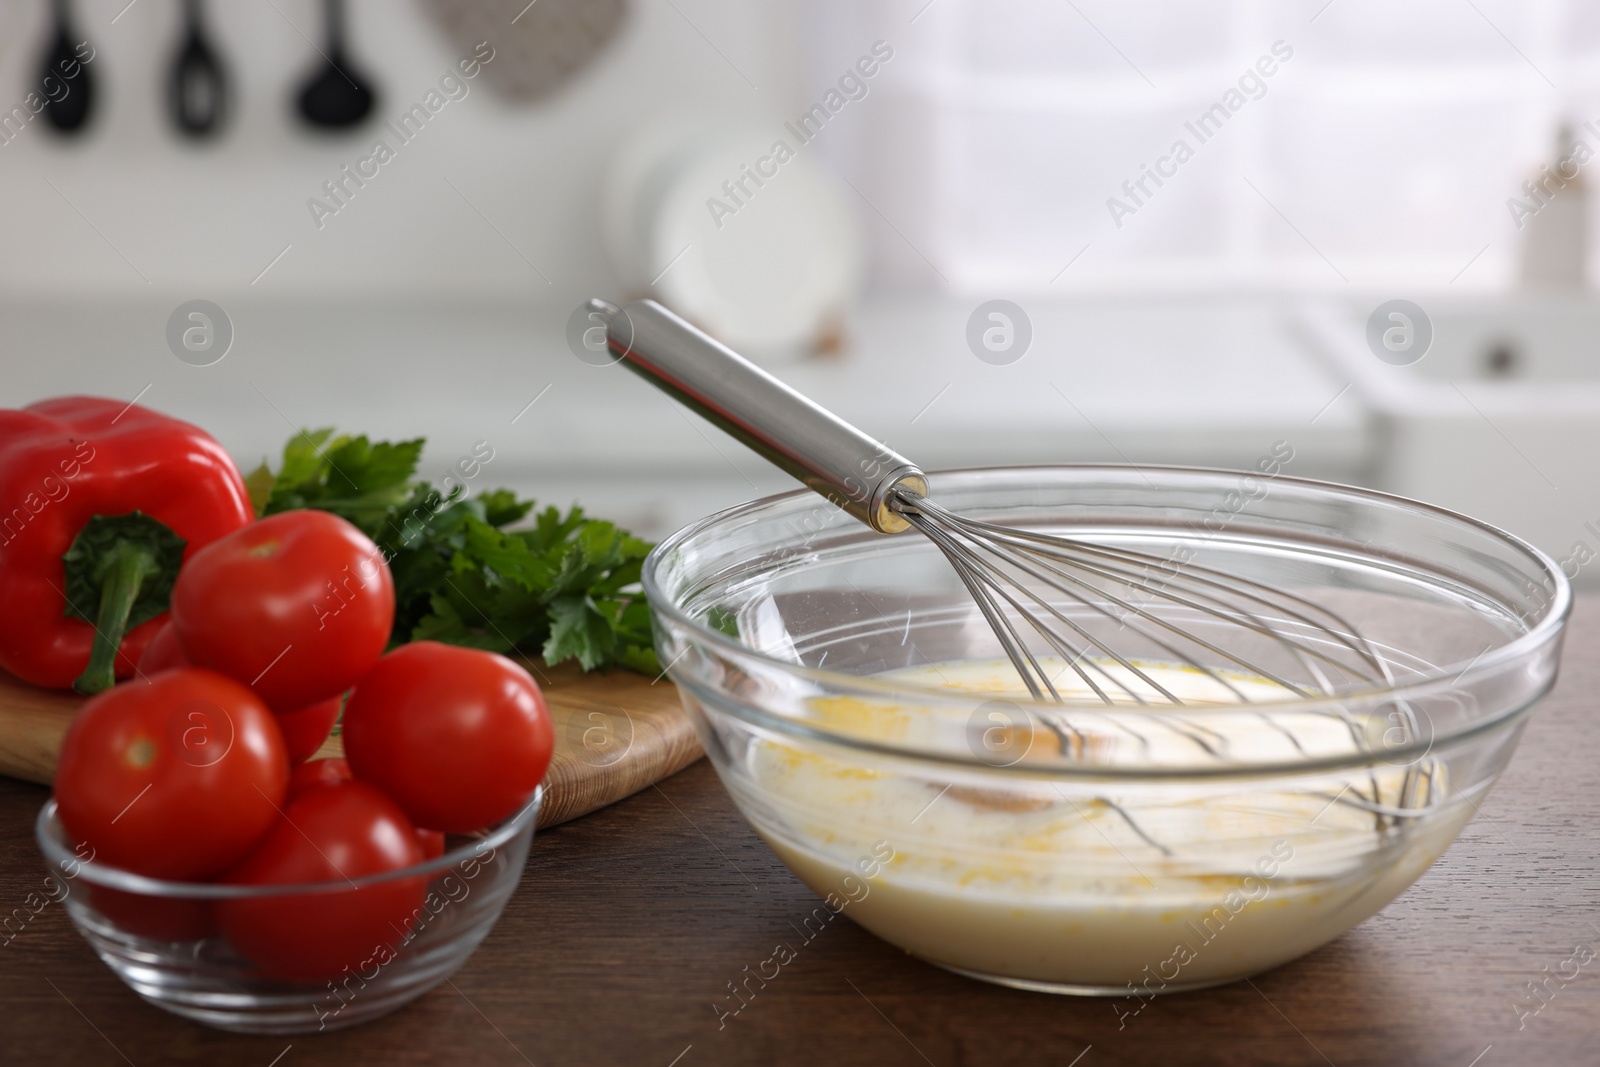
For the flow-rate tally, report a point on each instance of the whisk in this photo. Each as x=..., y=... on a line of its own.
x=1047, y=598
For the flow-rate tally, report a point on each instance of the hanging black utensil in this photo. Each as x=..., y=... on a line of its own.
x=65, y=80
x=337, y=95
x=198, y=90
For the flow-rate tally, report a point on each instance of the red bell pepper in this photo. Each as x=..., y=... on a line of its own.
x=100, y=501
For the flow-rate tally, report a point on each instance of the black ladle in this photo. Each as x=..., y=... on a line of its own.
x=337, y=95
x=198, y=90
x=68, y=87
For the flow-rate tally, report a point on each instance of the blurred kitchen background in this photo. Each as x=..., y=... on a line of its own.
x=981, y=240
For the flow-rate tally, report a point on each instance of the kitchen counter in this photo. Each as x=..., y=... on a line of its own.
x=1205, y=382
x=631, y=922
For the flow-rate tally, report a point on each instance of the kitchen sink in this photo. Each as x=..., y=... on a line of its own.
x=1499, y=418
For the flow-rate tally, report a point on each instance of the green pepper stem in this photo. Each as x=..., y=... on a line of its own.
x=130, y=563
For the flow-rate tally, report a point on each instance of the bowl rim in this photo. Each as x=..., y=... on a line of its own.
x=1558, y=609
x=99, y=873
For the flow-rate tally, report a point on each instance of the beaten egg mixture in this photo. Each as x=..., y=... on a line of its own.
x=1100, y=886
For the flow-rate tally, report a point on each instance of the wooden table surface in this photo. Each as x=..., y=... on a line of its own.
x=630, y=922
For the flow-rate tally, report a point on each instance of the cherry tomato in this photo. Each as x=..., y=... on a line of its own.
x=305, y=729
x=328, y=833
x=298, y=606
x=173, y=777
x=163, y=652
x=458, y=737
x=313, y=773
x=158, y=918
x=431, y=842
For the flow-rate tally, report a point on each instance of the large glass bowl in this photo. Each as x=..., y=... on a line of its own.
x=859, y=711
x=163, y=939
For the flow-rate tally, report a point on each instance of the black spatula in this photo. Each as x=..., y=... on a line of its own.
x=337, y=95
x=67, y=109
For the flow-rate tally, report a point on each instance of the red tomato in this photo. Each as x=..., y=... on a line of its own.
x=317, y=772
x=158, y=918
x=458, y=737
x=327, y=834
x=304, y=730
x=431, y=842
x=298, y=606
x=163, y=652
x=175, y=777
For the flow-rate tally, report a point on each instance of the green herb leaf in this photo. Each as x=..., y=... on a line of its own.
x=302, y=458
x=578, y=629
x=502, y=508
x=357, y=467
x=349, y=476
x=258, y=483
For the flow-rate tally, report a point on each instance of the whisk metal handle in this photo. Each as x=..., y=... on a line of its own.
x=817, y=447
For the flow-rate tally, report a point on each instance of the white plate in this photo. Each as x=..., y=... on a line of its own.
x=767, y=266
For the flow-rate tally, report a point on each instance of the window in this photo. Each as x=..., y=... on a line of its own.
x=1357, y=142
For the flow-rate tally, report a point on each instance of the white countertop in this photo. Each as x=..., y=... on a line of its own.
x=1202, y=381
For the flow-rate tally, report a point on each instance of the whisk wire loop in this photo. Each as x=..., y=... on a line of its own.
x=998, y=556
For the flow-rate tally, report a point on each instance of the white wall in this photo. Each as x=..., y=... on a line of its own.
x=409, y=314
x=131, y=198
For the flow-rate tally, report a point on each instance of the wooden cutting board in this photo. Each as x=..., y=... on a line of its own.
x=615, y=734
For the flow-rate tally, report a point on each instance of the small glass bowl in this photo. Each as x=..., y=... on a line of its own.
x=861, y=714
x=161, y=938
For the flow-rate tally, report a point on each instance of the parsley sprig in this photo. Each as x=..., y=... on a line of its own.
x=468, y=569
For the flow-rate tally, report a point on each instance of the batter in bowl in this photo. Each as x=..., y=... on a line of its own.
x=1173, y=884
